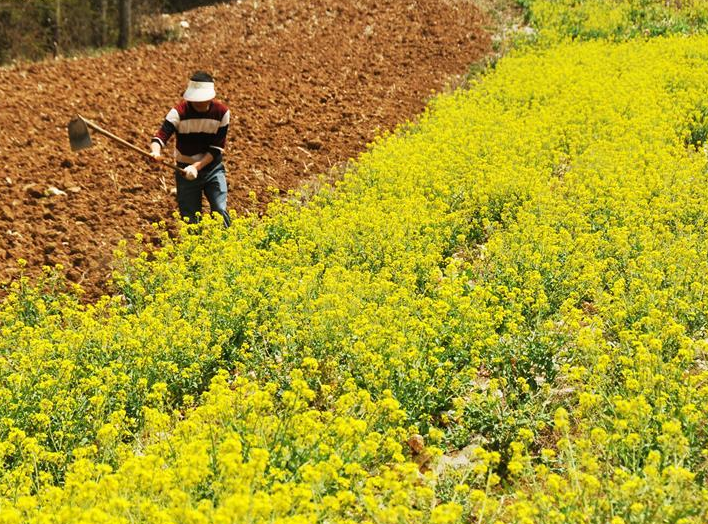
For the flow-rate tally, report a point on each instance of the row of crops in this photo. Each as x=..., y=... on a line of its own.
x=498, y=314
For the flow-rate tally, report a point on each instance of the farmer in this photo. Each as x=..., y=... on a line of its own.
x=201, y=124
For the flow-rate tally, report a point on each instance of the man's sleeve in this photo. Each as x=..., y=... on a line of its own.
x=219, y=142
x=169, y=126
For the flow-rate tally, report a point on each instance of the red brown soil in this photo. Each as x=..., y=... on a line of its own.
x=309, y=83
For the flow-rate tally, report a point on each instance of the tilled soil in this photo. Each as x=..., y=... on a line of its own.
x=308, y=82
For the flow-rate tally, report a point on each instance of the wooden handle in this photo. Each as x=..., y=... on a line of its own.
x=128, y=144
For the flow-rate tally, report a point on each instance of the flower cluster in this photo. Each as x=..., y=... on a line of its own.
x=497, y=315
x=617, y=19
x=249, y=453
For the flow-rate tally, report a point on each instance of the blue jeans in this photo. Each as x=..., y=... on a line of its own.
x=211, y=181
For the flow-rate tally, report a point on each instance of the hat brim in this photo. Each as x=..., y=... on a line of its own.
x=199, y=92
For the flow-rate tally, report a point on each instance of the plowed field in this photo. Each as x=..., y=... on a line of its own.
x=308, y=84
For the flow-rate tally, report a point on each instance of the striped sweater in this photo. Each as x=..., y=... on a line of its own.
x=197, y=133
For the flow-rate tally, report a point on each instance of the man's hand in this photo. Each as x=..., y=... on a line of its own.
x=190, y=172
x=156, y=152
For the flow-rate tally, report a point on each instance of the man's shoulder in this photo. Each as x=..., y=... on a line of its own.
x=182, y=108
x=219, y=107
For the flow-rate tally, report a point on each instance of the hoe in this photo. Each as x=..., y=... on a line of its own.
x=80, y=138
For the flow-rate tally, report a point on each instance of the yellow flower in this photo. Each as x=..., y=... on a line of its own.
x=446, y=514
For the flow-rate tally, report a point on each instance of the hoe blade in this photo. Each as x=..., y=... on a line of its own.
x=79, y=137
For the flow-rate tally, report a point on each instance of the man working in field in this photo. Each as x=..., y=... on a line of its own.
x=201, y=124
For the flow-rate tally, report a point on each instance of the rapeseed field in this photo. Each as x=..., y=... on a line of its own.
x=497, y=315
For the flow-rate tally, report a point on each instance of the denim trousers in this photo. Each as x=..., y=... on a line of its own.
x=211, y=182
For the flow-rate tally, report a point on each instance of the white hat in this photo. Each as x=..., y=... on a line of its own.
x=199, y=91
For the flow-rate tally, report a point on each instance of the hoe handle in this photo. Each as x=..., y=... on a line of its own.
x=128, y=144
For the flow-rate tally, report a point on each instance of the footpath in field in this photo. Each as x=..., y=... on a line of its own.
x=309, y=83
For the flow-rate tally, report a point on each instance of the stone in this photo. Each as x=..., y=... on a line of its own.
x=53, y=191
